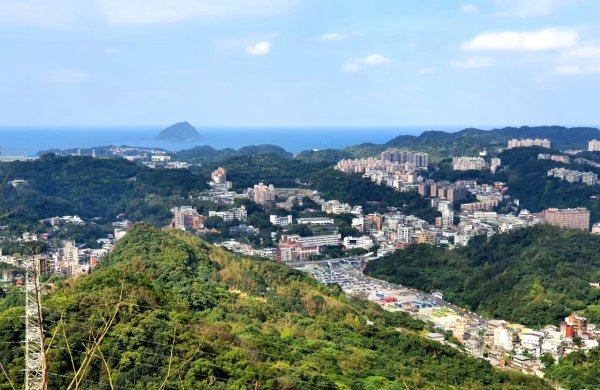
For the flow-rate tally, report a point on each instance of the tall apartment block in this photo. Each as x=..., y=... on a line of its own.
x=578, y=218
x=418, y=159
x=219, y=176
x=527, y=142
x=594, y=146
x=264, y=194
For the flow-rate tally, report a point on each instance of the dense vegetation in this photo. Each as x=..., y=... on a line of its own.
x=206, y=154
x=533, y=276
x=328, y=155
x=468, y=142
x=166, y=308
x=578, y=370
x=246, y=171
x=100, y=187
x=356, y=190
x=528, y=181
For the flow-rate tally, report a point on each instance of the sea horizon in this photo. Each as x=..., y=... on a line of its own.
x=30, y=140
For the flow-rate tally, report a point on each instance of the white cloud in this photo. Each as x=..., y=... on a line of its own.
x=528, y=8
x=468, y=8
x=61, y=13
x=333, y=37
x=375, y=59
x=67, y=76
x=547, y=39
x=259, y=48
x=474, y=63
x=370, y=60
x=427, y=70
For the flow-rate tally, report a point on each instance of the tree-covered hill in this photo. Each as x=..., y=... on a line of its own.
x=168, y=311
x=533, y=276
x=207, y=154
x=528, y=180
x=469, y=142
x=578, y=370
x=90, y=187
x=331, y=156
x=356, y=190
x=245, y=171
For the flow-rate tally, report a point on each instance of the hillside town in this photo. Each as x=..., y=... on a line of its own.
x=467, y=208
x=503, y=344
x=306, y=234
x=63, y=257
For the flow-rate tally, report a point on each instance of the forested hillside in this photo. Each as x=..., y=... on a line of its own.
x=100, y=187
x=578, y=370
x=356, y=190
x=207, y=154
x=166, y=310
x=469, y=142
x=245, y=171
x=528, y=181
x=533, y=276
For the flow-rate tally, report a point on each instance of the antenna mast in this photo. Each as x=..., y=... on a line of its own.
x=35, y=355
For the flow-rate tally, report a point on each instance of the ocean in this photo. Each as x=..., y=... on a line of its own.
x=30, y=140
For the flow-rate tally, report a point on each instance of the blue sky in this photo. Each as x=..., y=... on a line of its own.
x=300, y=62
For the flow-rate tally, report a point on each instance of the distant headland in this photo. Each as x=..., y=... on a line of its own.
x=179, y=132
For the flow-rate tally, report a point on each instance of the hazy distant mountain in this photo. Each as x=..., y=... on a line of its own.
x=469, y=142
x=207, y=153
x=179, y=132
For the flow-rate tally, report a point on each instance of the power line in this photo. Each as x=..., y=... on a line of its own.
x=205, y=329
x=203, y=375
x=212, y=354
x=434, y=373
x=202, y=328
x=212, y=331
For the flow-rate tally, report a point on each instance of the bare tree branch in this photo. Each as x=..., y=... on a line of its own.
x=7, y=377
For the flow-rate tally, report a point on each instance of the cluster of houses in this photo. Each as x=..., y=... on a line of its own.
x=381, y=232
x=62, y=257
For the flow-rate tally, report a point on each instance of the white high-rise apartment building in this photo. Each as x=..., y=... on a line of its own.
x=468, y=163
x=70, y=252
x=594, y=145
x=527, y=142
x=405, y=233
